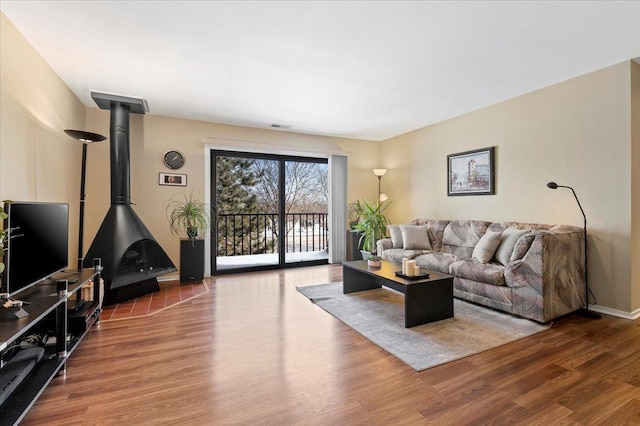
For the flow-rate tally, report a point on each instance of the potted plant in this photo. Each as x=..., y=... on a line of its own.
x=374, y=261
x=373, y=226
x=188, y=214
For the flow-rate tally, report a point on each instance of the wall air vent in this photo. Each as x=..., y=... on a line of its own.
x=280, y=126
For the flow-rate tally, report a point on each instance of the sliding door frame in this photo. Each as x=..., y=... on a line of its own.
x=213, y=232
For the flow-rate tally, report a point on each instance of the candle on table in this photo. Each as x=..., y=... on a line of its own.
x=410, y=267
x=416, y=270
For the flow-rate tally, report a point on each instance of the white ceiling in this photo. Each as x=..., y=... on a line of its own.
x=355, y=69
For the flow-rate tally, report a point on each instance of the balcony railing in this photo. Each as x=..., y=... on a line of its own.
x=258, y=233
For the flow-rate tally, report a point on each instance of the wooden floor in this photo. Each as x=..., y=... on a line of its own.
x=252, y=350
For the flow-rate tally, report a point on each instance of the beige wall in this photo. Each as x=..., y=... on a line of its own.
x=577, y=133
x=152, y=135
x=38, y=161
x=635, y=185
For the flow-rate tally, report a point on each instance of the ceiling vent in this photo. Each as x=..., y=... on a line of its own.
x=280, y=126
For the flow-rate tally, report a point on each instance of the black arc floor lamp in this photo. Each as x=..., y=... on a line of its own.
x=584, y=312
x=85, y=138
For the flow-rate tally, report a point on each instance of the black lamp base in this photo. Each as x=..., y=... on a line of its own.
x=589, y=314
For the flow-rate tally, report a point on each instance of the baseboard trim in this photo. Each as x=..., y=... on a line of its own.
x=615, y=312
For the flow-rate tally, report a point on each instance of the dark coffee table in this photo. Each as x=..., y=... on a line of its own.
x=425, y=300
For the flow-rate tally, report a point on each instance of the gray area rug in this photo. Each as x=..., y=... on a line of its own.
x=379, y=316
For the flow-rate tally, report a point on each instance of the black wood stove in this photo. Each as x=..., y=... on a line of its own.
x=131, y=257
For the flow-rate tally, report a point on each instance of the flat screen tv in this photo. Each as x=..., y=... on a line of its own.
x=36, y=246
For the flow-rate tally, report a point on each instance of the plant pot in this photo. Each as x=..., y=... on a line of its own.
x=365, y=254
x=374, y=263
x=192, y=233
x=191, y=260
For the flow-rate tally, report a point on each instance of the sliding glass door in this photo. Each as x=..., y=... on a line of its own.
x=270, y=211
x=305, y=211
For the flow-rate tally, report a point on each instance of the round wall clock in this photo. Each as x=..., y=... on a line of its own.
x=173, y=159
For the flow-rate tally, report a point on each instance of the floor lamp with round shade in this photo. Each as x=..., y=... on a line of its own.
x=379, y=173
x=86, y=138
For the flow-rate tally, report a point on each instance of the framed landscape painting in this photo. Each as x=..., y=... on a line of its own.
x=471, y=172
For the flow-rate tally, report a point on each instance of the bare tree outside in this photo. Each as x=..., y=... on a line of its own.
x=255, y=215
x=306, y=186
x=305, y=198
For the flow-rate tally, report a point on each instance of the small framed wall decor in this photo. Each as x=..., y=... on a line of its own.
x=172, y=179
x=471, y=172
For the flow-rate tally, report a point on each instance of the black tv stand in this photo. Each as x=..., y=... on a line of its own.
x=12, y=308
x=45, y=301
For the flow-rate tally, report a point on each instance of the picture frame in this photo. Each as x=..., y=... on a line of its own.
x=172, y=179
x=471, y=172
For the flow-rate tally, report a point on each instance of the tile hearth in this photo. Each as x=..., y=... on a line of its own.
x=171, y=293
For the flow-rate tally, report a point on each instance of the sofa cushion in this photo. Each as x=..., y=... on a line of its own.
x=495, y=296
x=471, y=269
x=510, y=237
x=415, y=237
x=461, y=236
x=522, y=246
x=436, y=261
x=436, y=230
x=396, y=236
x=396, y=255
x=485, y=249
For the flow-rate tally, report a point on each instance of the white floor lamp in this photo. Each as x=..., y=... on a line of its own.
x=381, y=196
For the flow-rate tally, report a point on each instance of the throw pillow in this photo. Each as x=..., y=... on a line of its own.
x=522, y=246
x=415, y=237
x=510, y=237
x=483, y=251
x=396, y=235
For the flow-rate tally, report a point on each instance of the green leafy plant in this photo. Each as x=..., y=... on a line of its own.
x=186, y=213
x=375, y=258
x=372, y=224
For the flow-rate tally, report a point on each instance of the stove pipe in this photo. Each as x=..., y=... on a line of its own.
x=120, y=161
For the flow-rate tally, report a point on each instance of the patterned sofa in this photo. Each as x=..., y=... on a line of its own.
x=532, y=270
